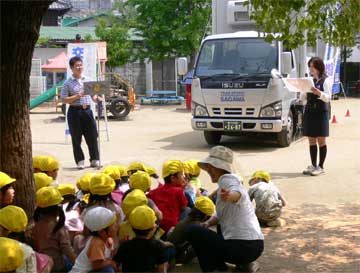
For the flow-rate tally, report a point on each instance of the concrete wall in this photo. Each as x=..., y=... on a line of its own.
x=47, y=53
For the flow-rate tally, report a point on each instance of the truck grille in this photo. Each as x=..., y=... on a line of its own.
x=216, y=111
x=234, y=111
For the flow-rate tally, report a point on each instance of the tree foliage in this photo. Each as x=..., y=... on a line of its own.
x=114, y=29
x=333, y=21
x=170, y=28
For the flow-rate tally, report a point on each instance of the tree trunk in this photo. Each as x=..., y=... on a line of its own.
x=20, y=24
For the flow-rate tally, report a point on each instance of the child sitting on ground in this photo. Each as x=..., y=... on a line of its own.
x=7, y=192
x=83, y=184
x=49, y=233
x=42, y=180
x=13, y=222
x=203, y=209
x=170, y=198
x=97, y=254
x=12, y=256
x=269, y=202
x=50, y=166
x=70, y=205
x=114, y=173
x=142, y=254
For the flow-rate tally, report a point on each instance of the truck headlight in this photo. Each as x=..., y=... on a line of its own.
x=273, y=110
x=200, y=111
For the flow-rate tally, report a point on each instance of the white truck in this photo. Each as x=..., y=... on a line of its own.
x=236, y=86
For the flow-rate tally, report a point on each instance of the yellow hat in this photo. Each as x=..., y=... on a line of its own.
x=42, y=180
x=11, y=254
x=187, y=168
x=5, y=180
x=48, y=164
x=136, y=166
x=142, y=218
x=112, y=171
x=13, y=218
x=262, y=174
x=37, y=161
x=205, y=205
x=134, y=199
x=126, y=232
x=47, y=197
x=151, y=170
x=123, y=170
x=101, y=184
x=86, y=198
x=140, y=180
x=83, y=182
x=172, y=167
x=194, y=168
x=66, y=189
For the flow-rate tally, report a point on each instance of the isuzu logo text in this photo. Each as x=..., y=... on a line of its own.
x=233, y=85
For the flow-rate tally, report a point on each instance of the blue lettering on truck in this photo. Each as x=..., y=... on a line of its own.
x=232, y=96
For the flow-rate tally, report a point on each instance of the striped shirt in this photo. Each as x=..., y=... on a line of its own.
x=73, y=87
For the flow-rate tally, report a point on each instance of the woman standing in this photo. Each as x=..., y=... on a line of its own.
x=240, y=240
x=316, y=115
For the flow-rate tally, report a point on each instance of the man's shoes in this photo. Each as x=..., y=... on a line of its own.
x=317, y=171
x=81, y=165
x=309, y=170
x=95, y=163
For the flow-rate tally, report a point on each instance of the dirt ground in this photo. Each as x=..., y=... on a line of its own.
x=322, y=233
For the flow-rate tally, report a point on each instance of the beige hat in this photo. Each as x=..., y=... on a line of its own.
x=220, y=157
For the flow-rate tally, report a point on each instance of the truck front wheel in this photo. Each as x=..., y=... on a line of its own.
x=284, y=138
x=212, y=137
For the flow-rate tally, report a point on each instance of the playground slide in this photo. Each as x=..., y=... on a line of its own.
x=48, y=95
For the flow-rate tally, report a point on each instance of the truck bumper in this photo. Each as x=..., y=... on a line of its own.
x=247, y=125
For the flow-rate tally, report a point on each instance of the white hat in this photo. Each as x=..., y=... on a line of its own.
x=220, y=157
x=99, y=218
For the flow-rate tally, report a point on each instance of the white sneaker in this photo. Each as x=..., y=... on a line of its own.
x=95, y=163
x=81, y=165
x=309, y=170
x=317, y=171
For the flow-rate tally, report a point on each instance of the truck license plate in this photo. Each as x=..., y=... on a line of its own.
x=232, y=125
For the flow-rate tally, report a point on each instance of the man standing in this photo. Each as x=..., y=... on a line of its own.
x=80, y=117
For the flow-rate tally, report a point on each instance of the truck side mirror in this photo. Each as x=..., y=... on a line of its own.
x=182, y=66
x=286, y=66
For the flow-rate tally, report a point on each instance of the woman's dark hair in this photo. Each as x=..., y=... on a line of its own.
x=126, y=193
x=73, y=60
x=167, y=179
x=94, y=198
x=139, y=232
x=319, y=65
x=18, y=236
x=124, y=179
x=72, y=201
x=56, y=211
x=6, y=187
x=196, y=214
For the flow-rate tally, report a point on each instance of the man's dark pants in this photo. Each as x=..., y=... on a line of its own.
x=82, y=123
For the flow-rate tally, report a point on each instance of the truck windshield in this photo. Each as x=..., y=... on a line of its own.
x=236, y=58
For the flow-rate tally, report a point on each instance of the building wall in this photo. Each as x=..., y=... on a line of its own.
x=47, y=53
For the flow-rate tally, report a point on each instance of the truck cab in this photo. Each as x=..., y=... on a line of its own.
x=237, y=87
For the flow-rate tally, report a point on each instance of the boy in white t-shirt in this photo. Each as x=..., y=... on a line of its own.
x=269, y=202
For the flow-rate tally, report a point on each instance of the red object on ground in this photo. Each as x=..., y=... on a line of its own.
x=188, y=97
x=334, y=119
x=347, y=113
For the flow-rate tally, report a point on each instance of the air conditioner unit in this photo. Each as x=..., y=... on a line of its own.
x=238, y=13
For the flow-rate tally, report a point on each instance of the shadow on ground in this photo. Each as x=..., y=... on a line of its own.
x=194, y=141
x=315, y=239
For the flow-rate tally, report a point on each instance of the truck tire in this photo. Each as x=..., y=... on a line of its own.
x=284, y=138
x=120, y=108
x=212, y=137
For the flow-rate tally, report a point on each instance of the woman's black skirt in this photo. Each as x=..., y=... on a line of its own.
x=316, y=124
